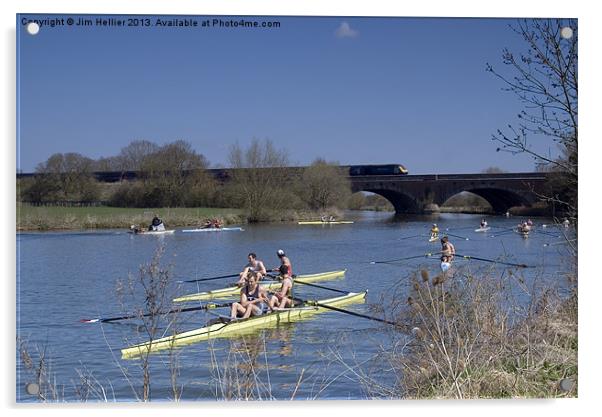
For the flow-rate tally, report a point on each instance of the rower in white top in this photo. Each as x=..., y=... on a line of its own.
x=483, y=227
x=156, y=225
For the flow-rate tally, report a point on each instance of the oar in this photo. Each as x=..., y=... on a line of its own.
x=209, y=279
x=547, y=233
x=426, y=255
x=134, y=316
x=411, y=237
x=295, y=281
x=459, y=237
x=493, y=261
x=503, y=233
x=340, y=310
x=459, y=228
x=559, y=243
x=320, y=286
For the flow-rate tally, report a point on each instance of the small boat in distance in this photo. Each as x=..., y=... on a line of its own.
x=326, y=222
x=214, y=229
x=151, y=232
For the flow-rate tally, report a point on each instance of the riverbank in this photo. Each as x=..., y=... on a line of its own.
x=473, y=340
x=30, y=218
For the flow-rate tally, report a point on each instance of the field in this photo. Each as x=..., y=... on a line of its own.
x=57, y=218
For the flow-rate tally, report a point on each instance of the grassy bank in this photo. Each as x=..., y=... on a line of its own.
x=473, y=339
x=57, y=218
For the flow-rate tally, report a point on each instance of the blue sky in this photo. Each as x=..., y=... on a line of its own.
x=355, y=90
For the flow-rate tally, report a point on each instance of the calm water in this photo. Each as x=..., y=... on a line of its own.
x=63, y=277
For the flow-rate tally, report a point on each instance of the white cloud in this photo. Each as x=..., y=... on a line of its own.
x=345, y=31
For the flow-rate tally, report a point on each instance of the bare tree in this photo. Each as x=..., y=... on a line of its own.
x=174, y=175
x=133, y=156
x=544, y=78
x=325, y=185
x=258, y=182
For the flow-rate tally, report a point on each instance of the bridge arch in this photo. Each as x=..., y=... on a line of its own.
x=403, y=203
x=500, y=199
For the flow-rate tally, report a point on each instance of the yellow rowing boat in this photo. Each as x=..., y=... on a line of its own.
x=272, y=286
x=235, y=327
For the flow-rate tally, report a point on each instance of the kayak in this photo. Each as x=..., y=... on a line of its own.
x=215, y=229
x=239, y=327
x=321, y=222
x=271, y=285
x=153, y=232
x=482, y=229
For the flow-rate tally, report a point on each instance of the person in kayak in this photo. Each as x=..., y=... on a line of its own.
x=253, y=299
x=254, y=265
x=284, y=297
x=434, y=231
x=284, y=261
x=156, y=225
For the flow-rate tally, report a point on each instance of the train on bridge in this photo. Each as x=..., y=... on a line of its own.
x=390, y=169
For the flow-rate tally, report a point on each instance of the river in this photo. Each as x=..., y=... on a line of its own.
x=63, y=277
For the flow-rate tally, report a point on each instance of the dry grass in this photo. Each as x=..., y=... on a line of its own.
x=472, y=338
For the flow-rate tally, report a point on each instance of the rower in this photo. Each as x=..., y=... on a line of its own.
x=483, y=224
x=253, y=299
x=566, y=223
x=156, y=225
x=529, y=223
x=507, y=214
x=283, y=298
x=447, y=253
x=323, y=219
x=254, y=265
x=332, y=219
x=284, y=261
x=434, y=231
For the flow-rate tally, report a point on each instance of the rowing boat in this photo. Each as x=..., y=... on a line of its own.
x=153, y=232
x=236, y=327
x=482, y=229
x=272, y=285
x=321, y=222
x=215, y=229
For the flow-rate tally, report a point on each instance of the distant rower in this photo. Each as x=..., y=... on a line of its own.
x=483, y=224
x=434, y=231
x=156, y=225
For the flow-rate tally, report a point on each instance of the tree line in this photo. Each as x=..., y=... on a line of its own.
x=174, y=175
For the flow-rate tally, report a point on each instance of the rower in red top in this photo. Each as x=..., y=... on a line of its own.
x=284, y=260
